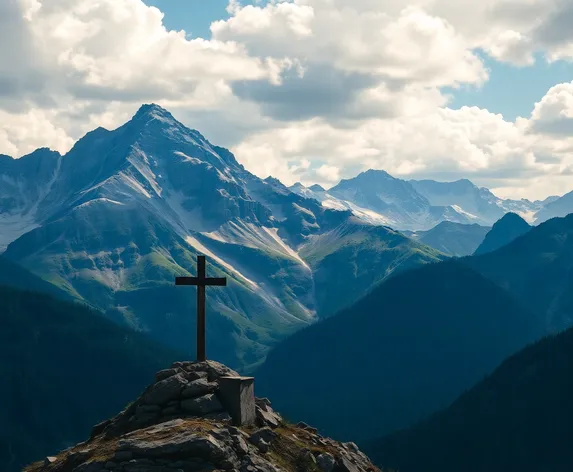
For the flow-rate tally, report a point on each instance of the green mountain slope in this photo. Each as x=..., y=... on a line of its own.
x=351, y=259
x=15, y=276
x=124, y=261
x=504, y=231
x=537, y=268
x=405, y=350
x=519, y=418
x=63, y=369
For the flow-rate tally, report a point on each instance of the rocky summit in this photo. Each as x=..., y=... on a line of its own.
x=182, y=423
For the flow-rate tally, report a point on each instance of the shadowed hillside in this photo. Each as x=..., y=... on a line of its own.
x=537, y=269
x=519, y=418
x=407, y=349
x=63, y=369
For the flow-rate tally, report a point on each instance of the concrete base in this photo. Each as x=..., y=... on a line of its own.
x=237, y=395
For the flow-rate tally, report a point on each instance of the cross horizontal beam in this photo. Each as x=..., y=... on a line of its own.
x=201, y=281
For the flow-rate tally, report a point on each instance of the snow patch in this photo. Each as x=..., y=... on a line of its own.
x=98, y=200
x=461, y=211
x=186, y=158
x=134, y=184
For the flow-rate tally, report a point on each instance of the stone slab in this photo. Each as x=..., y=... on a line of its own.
x=237, y=395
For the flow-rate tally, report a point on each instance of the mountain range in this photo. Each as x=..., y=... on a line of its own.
x=388, y=295
x=419, y=205
x=421, y=338
x=112, y=222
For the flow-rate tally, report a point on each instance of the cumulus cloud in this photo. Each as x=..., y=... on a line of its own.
x=22, y=133
x=553, y=115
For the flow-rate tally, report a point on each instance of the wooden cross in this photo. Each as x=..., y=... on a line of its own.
x=201, y=281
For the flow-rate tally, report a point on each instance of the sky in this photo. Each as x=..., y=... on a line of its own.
x=308, y=90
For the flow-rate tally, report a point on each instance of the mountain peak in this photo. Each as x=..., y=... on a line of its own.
x=376, y=173
x=275, y=182
x=152, y=109
x=504, y=231
x=317, y=188
x=511, y=218
x=297, y=186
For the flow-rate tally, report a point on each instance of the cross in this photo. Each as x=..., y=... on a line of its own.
x=201, y=281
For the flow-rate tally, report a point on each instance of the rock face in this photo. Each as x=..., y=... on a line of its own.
x=179, y=424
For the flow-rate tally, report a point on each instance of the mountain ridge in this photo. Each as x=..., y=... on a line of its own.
x=127, y=210
x=376, y=197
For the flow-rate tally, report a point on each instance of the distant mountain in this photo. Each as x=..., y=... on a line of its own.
x=454, y=239
x=316, y=188
x=555, y=208
x=417, y=205
x=518, y=418
x=113, y=222
x=366, y=215
x=408, y=348
x=508, y=228
x=24, y=183
x=63, y=369
x=537, y=269
x=396, y=200
x=464, y=196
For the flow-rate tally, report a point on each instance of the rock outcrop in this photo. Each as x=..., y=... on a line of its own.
x=179, y=424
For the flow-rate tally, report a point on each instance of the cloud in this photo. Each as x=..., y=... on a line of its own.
x=320, y=91
x=23, y=133
x=553, y=115
x=329, y=173
x=309, y=90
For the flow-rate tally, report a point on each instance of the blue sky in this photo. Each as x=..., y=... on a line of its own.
x=194, y=16
x=511, y=91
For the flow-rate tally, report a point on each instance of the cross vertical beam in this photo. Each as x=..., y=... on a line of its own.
x=201, y=343
x=201, y=281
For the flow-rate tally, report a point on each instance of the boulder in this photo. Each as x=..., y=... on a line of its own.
x=202, y=405
x=198, y=388
x=262, y=438
x=165, y=390
x=325, y=462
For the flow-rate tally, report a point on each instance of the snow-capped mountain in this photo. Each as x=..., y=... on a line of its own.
x=23, y=184
x=119, y=216
x=376, y=197
x=555, y=207
x=479, y=202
